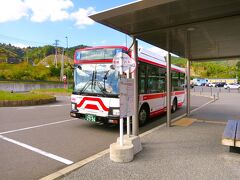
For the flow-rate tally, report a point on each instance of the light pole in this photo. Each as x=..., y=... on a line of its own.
x=67, y=58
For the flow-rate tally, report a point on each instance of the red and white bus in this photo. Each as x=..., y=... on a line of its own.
x=95, y=95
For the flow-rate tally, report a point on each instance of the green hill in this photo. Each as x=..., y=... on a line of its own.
x=211, y=69
x=5, y=54
x=7, y=50
x=50, y=60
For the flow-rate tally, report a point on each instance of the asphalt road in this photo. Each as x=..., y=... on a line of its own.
x=38, y=140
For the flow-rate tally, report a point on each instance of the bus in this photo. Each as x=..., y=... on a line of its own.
x=95, y=95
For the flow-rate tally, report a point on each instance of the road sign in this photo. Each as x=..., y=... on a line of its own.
x=123, y=63
x=126, y=87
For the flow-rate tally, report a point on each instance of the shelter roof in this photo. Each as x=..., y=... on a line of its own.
x=210, y=26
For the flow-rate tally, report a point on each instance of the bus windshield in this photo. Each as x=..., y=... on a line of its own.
x=98, y=79
x=96, y=54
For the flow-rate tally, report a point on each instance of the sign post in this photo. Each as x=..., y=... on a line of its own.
x=120, y=152
x=123, y=63
x=126, y=87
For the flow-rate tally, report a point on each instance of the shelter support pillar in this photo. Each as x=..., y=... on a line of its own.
x=188, y=88
x=188, y=56
x=168, y=89
x=135, y=122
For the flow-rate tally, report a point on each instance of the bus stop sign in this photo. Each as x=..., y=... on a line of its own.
x=126, y=90
x=123, y=63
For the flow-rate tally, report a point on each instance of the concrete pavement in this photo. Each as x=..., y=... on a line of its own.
x=49, y=129
x=185, y=151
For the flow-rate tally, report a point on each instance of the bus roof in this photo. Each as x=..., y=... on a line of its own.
x=101, y=47
x=143, y=55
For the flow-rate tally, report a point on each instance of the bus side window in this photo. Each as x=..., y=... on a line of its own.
x=142, y=78
x=153, y=78
x=162, y=80
x=177, y=81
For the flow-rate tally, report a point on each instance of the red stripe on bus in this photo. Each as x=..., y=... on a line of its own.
x=180, y=104
x=93, y=99
x=161, y=95
x=91, y=106
x=179, y=92
x=153, y=96
x=158, y=112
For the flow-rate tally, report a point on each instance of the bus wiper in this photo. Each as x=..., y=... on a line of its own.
x=85, y=87
x=92, y=82
x=104, y=80
x=101, y=88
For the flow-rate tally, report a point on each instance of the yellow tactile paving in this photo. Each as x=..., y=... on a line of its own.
x=184, y=122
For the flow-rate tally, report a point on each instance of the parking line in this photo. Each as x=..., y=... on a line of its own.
x=39, y=151
x=200, y=107
x=23, y=108
x=34, y=107
x=33, y=127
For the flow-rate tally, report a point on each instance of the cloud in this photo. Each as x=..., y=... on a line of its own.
x=20, y=45
x=44, y=10
x=12, y=10
x=53, y=10
x=81, y=17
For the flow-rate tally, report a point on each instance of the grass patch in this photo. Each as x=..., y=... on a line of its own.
x=53, y=90
x=4, y=95
x=29, y=82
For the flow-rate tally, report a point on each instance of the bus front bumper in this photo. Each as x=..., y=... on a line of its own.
x=110, y=119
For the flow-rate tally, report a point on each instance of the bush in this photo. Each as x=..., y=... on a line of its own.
x=55, y=71
x=23, y=71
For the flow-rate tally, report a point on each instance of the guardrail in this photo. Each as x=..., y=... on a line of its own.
x=213, y=90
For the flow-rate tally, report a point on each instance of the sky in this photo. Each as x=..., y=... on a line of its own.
x=40, y=22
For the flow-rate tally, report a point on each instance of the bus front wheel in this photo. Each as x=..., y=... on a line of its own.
x=143, y=115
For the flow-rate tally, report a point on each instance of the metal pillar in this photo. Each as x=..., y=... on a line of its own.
x=188, y=88
x=128, y=118
x=169, y=84
x=187, y=55
x=62, y=66
x=135, y=122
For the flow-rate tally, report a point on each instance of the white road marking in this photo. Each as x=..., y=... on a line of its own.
x=25, y=108
x=33, y=127
x=34, y=107
x=39, y=151
x=200, y=107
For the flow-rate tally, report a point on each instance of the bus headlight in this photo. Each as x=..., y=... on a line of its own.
x=116, y=112
x=73, y=106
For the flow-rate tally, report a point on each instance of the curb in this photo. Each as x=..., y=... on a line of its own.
x=7, y=103
x=55, y=93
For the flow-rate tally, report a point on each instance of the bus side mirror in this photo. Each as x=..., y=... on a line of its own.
x=112, y=67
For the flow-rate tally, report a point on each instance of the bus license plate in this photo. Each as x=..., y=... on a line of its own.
x=90, y=117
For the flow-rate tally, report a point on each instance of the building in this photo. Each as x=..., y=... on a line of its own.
x=200, y=81
x=226, y=80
